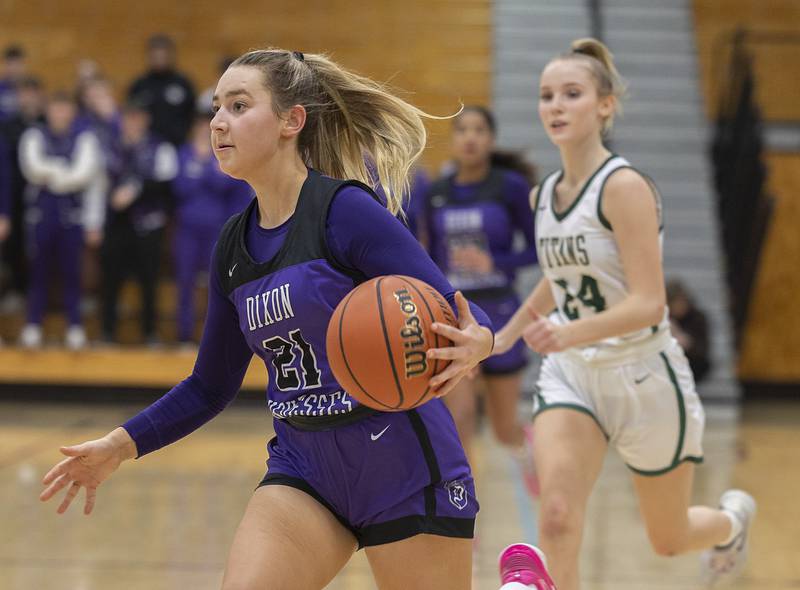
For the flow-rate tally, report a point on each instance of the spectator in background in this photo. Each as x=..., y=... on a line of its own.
x=86, y=71
x=690, y=328
x=202, y=194
x=5, y=192
x=140, y=169
x=168, y=94
x=30, y=111
x=5, y=198
x=100, y=112
x=14, y=69
x=60, y=165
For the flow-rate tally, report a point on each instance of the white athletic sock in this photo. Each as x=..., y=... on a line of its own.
x=736, y=527
x=515, y=586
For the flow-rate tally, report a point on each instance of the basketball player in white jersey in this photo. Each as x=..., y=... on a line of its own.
x=613, y=375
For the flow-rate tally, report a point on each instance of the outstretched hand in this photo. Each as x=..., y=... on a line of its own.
x=471, y=344
x=87, y=465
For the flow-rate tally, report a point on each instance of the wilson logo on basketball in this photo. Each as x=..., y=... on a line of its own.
x=378, y=338
x=412, y=336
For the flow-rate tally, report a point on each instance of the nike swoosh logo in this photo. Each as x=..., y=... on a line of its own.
x=375, y=437
x=230, y=271
x=642, y=380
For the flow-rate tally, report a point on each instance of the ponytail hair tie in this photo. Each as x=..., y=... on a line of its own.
x=299, y=55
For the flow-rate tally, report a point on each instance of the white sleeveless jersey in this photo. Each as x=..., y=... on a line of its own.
x=579, y=256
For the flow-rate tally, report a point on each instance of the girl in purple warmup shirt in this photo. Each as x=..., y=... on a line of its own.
x=204, y=199
x=472, y=217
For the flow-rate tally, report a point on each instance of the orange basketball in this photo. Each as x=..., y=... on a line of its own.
x=377, y=339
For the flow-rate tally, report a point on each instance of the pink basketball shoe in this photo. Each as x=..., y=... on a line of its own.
x=524, y=564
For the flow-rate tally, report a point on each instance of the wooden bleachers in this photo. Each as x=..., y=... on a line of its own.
x=128, y=367
x=439, y=52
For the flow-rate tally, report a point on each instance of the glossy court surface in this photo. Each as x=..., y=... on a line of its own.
x=165, y=522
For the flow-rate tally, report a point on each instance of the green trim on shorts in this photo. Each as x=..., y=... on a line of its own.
x=544, y=406
x=681, y=410
x=666, y=469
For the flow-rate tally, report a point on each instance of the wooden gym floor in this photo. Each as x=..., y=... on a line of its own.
x=166, y=522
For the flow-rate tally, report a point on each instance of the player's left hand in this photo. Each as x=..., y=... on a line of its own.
x=543, y=336
x=471, y=344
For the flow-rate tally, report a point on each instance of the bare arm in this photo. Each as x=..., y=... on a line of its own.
x=88, y=464
x=540, y=302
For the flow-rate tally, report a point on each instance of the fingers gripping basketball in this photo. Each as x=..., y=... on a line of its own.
x=377, y=339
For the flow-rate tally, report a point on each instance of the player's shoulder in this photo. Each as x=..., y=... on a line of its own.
x=355, y=193
x=626, y=185
x=228, y=252
x=628, y=193
x=626, y=179
x=535, y=192
x=516, y=180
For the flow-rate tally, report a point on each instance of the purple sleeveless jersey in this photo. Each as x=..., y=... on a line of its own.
x=283, y=316
x=385, y=476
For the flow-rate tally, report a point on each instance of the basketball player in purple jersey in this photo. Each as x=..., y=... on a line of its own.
x=340, y=475
x=471, y=219
x=202, y=193
x=60, y=164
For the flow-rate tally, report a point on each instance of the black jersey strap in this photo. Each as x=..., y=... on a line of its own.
x=306, y=238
